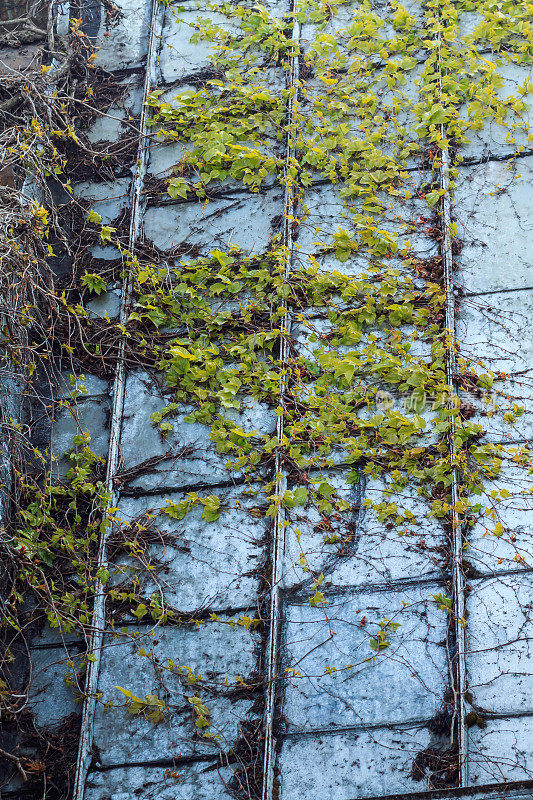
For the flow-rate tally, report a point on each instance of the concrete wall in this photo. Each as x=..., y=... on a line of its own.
x=345, y=725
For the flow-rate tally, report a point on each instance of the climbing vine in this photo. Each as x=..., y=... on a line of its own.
x=336, y=329
x=230, y=307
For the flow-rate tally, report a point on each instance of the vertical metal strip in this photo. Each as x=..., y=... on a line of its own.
x=98, y=616
x=457, y=538
x=278, y=544
x=458, y=584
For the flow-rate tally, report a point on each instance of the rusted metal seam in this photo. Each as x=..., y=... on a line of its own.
x=278, y=544
x=98, y=616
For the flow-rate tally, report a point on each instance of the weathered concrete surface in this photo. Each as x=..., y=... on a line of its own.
x=212, y=566
x=122, y=38
x=107, y=199
x=53, y=691
x=222, y=654
x=340, y=680
x=164, y=155
x=493, y=332
x=495, y=139
x=357, y=549
x=493, y=207
x=499, y=650
x=492, y=549
x=82, y=386
x=343, y=17
x=106, y=305
x=496, y=409
x=187, y=455
x=201, y=781
x=118, y=120
x=502, y=751
x=200, y=564
x=179, y=56
x=393, y=128
x=315, y=334
x=86, y=416
x=247, y=221
x=351, y=765
x=324, y=213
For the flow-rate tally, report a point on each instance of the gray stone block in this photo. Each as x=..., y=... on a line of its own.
x=50, y=698
x=107, y=199
x=164, y=156
x=496, y=139
x=321, y=345
x=325, y=212
x=468, y=24
x=94, y=386
x=179, y=56
x=339, y=680
x=110, y=125
x=357, y=265
x=248, y=221
x=501, y=751
x=392, y=128
x=106, y=305
x=190, y=455
x=512, y=547
x=200, y=781
x=122, y=41
x=105, y=253
x=200, y=564
x=505, y=412
x=87, y=416
x=499, y=652
x=20, y=58
x=351, y=765
x=317, y=333
x=366, y=551
x=493, y=208
x=493, y=333
x=342, y=16
x=222, y=655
